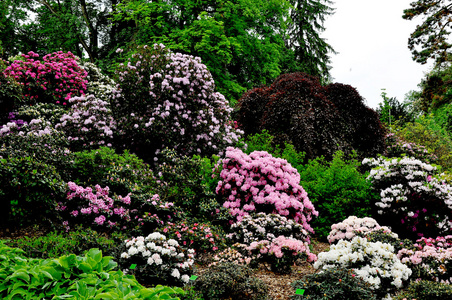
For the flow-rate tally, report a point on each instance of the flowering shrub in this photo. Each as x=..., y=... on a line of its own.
x=37, y=139
x=353, y=226
x=260, y=182
x=281, y=253
x=165, y=99
x=375, y=263
x=50, y=112
x=337, y=284
x=95, y=207
x=53, y=80
x=396, y=147
x=99, y=85
x=201, y=237
x=427, y=290
x=89, y=123
x=262, y=226
x=158, y=260
x=414, y=199
x=232, y=255
x=430, y=259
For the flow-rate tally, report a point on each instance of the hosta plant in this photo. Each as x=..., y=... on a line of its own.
x=260, y=182
x=415, y=200
x=353, y=226
x=158, y=259
x=375, y=263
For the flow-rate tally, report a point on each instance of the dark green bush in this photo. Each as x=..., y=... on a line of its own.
x=337, y=190
x=55, y=244
x=230, y=281
x=29, y=190
x=426, y=290
x=333, y=284
x=386, y=237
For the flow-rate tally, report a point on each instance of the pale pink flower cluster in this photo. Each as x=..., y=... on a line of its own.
x=348, y=228
x=180, y=110
x=89, y=123
x=431, y=260
x=233, y=255
x=260, y=182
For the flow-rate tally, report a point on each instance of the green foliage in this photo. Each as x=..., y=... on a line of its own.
x=46, y=111
x=266, y=142
x=427, y=132
x=426, y=290
x=187, y=183
x=337, y=189
x=384, y=236
x=123, y=173
x=55, y=244
x=334, y=284
x=391, y=111
x=430, y=40
x=29, y=190
x=230, y=281
x=10, y=93
x=91, y=276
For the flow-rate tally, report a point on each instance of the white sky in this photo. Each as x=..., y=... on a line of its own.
x=371, y=39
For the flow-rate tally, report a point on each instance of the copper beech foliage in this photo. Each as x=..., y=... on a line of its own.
x=318, y=120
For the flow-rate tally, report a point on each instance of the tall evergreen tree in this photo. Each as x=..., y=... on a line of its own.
x=311, y=51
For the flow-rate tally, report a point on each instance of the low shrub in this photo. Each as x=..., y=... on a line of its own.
x=49, y=112
x=262, y=226
x=236, y=254
x=281, y=253
x=79, y=241
x=353, y=226
x=261, y=183
x=158, y=260
x=338, y=283
x=426, y=290
x=202, y=237
x=396, y=147
x=337, y=189
x=230, y=281
x=375, y=263
x=430, y=259
x=29, y=190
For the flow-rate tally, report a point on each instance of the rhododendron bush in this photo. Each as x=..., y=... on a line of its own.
x=375, y=263
x=55, y=79
x=353, y=226
x=430, y=259
x=89, y=123
x=165, y=99
x=415, y=201
x=260, y=182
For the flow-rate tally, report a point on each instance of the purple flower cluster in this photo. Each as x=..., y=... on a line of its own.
x=169, y=99
x=96, y=206
x=396, y=147
x=89, y=123
x=57, y=76
x=260, y=182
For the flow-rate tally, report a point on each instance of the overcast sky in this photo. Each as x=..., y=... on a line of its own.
x=371, y=40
